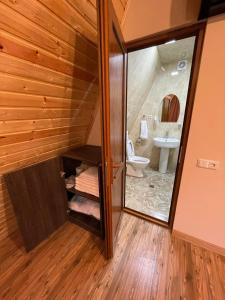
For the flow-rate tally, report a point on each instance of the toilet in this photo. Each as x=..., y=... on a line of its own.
x=135, y=164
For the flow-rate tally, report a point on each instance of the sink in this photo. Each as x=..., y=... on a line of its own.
x=165, y=144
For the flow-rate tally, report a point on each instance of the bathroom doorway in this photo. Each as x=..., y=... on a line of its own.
x=161, y=80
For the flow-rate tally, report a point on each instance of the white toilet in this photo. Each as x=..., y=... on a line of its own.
x=135, y=164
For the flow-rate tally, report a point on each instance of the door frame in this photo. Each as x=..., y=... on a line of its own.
x=198, y=30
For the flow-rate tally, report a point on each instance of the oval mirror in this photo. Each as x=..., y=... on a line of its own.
x=169, y=108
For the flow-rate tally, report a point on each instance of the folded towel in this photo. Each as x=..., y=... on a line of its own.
x=87, y=180
x=143, y=130
x=87, y=190
x=70, y=182
x=88, y=183
x=85, y=206
x=91, y=172
x=87, y=186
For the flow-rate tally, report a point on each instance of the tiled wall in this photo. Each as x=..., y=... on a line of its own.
x=142, y=69
x=160, y=84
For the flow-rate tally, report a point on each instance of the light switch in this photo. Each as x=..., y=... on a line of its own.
x=208, y=164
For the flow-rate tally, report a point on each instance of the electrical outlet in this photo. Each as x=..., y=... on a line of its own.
x=208, y=164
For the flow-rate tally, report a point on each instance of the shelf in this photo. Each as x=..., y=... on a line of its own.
x=88, y=154
x=83, y=194
x=86, y=221
x=92, y=156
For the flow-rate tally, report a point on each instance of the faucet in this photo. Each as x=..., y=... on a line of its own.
x=167, y=134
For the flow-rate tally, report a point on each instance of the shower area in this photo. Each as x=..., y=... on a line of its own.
x=158, y=81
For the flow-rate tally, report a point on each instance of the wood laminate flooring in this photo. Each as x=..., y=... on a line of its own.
x=148, y=264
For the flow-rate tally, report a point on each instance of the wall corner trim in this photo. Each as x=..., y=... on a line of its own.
x=198, y=242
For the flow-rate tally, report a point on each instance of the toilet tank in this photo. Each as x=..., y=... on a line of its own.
x=130, y=148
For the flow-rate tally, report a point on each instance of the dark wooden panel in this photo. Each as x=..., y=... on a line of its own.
x=39, y=200
x=88, y=153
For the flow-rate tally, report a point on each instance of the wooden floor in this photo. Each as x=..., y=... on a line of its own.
x=147, y=265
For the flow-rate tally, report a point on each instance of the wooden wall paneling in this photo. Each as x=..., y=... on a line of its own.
x=24, y=50
x=63, y=10
x=49, y=84
x=124, y=3
x=37, y=158
x=41, y=124
x=7, y=151
x=12, y=138
x=45, y=18
x=119, y=8
x=23, y=114
x=86, y=9
x=31, y=70
x=92, y=2
x=12, y=83
x=8, y=99
x=21, y=27
x=12, y=65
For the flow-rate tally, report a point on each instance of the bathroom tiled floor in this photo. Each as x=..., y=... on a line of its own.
x=150, y=195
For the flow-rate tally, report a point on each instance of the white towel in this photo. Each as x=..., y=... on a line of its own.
x=85, y=206
x=87, y=181
x=88, y=190
x=143, y=130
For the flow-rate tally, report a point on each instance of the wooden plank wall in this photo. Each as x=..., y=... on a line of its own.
x=48, y=83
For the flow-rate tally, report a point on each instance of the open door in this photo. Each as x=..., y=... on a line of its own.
x=113, y=91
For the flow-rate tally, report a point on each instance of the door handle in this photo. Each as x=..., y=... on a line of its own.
x=117, y=165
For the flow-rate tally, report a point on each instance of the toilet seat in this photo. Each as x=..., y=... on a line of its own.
x=139, y=159
x=135, y=164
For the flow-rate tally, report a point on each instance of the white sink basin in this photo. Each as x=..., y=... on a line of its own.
x=166, y=142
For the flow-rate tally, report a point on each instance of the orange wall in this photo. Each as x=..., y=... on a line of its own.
x=201, y=204
x=149, y=16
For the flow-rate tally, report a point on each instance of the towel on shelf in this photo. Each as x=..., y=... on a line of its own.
x=144, y=130
x=87, y=181
x=81, y=168
x=85, y=206
x=70, y=182
x=85, y=189
x=86, y=185
x=89, y=174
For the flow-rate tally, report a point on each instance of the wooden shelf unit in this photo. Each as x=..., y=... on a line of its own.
x=83, y=194
x=90, y=155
